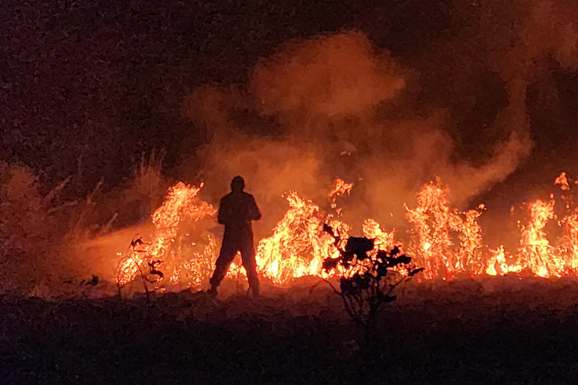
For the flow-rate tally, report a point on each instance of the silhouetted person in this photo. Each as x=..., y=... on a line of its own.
x=236, y=211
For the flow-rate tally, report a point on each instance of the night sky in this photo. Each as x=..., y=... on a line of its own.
x=91, y=85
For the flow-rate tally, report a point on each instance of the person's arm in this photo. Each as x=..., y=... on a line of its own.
x=221, y=217
x=255, y=213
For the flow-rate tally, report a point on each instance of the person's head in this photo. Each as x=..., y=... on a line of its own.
x=237, y=184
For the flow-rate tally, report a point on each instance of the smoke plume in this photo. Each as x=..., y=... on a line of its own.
x=339, y=106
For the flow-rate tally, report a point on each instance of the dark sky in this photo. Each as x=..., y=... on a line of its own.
x=99, y=82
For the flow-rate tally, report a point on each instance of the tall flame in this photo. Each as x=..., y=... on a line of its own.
x=535, y=249
x=298, y=244
x=183, y=260
x=446, y=241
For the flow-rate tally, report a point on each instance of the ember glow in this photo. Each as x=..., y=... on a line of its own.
x=446, y=241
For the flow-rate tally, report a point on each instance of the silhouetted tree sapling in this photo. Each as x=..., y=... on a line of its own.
x=367, y=277
x=149, y=274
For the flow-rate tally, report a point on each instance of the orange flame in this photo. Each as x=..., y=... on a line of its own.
x=535, y=250
x=181, y=209
x=298, y=245
x=446, y=241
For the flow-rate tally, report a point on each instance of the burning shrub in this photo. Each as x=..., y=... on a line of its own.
x=185, y=261
x=367, y=276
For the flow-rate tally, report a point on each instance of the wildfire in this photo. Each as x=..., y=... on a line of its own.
x=298, y=244
x=569, y=244
x=340, y=188
x=183, y=259
x=446, y=241
x=562, y=181
x=535, y=248
x=498, y=265
x=372, y=230
x=536, y=254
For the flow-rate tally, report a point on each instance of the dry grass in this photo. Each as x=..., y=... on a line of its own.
x=42, y=229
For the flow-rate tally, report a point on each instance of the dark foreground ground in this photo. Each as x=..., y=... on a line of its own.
x=501, y=331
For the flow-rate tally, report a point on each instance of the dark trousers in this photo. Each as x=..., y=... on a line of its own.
x=237, y=240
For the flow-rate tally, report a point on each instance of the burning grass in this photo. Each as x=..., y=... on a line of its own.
x=447, y=242
x=42, y=235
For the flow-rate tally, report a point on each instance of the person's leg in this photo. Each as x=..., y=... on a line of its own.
x=226, y=256
x=250, y=265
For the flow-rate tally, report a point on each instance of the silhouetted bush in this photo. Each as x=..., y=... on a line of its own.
x=367, y=276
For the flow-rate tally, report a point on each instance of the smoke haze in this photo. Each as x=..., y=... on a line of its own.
x=336, y=105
